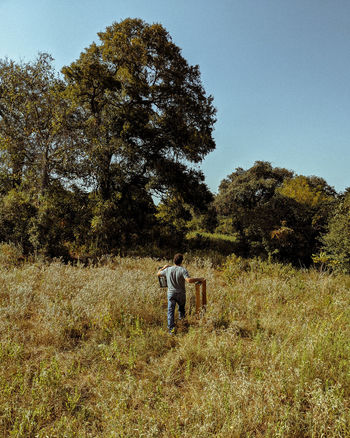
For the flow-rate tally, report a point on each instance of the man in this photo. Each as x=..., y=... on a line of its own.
x=176, y=277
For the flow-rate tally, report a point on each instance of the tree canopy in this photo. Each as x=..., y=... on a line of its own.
x=273, y=211
x=36, y=145
x=143, y=109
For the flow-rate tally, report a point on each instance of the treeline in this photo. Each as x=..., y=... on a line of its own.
x=102, y=158
x=287, y=217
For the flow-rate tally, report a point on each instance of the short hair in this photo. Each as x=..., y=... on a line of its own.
x=178, y=259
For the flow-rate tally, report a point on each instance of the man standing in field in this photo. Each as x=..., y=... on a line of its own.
x=176, y=277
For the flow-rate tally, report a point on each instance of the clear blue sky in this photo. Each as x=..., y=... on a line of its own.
x=279, y=70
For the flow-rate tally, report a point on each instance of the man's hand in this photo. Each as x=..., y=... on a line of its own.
x=162, y=269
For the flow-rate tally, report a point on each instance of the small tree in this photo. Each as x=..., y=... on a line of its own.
x=247, y=203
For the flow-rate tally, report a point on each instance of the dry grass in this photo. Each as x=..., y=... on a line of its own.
x=85, y=353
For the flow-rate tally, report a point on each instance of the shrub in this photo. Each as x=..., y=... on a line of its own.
x=10, y=254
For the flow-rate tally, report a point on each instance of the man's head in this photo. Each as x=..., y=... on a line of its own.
x=178, y=259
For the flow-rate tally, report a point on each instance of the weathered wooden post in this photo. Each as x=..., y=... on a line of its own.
x=204, y=295
x=198, y=296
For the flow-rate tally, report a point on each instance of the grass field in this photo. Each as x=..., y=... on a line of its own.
x=85, y=353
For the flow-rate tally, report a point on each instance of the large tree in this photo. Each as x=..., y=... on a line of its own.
x=36, y=143
x=144, y=114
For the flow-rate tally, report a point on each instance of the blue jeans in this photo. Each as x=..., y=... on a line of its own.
x=174, y=298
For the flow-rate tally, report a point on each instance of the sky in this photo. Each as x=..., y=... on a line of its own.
x=279, y=70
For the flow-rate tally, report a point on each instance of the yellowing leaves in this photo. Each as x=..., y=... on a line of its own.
x=300, y=189
x=283, y=234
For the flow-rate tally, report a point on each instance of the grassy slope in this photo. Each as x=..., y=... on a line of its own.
x=84, y=352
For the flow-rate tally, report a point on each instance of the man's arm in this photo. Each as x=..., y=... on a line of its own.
x=195, y=279
x=159, y=273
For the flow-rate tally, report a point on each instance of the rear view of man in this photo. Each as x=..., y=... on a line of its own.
x=176, y=277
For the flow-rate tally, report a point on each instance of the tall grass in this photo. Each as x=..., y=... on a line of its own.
x=85, y=353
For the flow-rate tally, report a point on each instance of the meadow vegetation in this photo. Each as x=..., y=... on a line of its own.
x=85, y=353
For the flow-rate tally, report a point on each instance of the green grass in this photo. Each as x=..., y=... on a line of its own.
x=85, y=353
x=215, y=236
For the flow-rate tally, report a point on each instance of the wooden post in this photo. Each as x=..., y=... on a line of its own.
x=204, y=295
x=198, y=297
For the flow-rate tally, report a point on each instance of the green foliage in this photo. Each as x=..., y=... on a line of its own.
x=56, y=221
x=213, y=244
x=35, y=139
x=10, y=255
x=275, y=213
x=205, y=222
x=173, y=211
x=336, y=242
x=84, y=156
x=144, y=112
x=121, y=223
x=44, y=223
x=324, y=261
x=127, y=122
x=310, y=191
x=17, y=208
x=309, y=214
x=248, y=200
